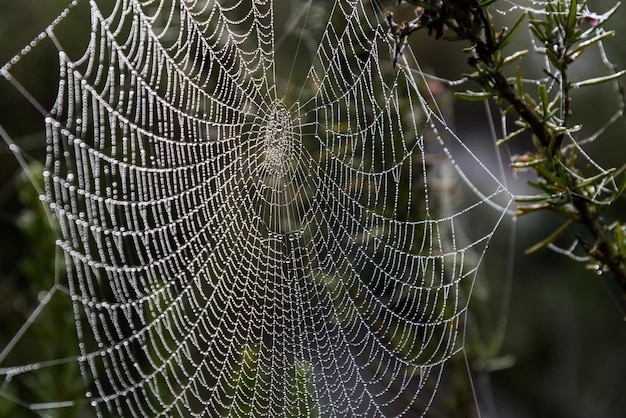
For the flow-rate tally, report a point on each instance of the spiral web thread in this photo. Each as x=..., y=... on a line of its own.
x=255, y=212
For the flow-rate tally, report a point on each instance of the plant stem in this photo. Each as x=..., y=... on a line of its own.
x=603, y=249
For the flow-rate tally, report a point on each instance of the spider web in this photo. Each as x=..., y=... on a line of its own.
x=255, y=211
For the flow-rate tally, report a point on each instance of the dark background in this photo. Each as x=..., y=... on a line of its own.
x=563, y=351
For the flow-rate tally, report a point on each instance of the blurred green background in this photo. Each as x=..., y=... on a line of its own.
x=563, y=352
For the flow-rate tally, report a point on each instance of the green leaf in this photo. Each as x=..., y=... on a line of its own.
x=537, y=198
x=531, y=102
x=594, y=179
x=551, y=238
x=554, y=59
x=557, y=98
x=509, y=137
x=518, y=82
x=598, y=80
x=523, y=210
x=572, y=17
x=473, y=95
x=590, y=42
x=528, y=164
x=606, y=16
x=539, y=34
x=622, y=187
x=543, y=95
x=512, y=58
x=509, y=33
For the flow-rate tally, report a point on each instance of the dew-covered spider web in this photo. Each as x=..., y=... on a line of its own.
x=258, y=213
